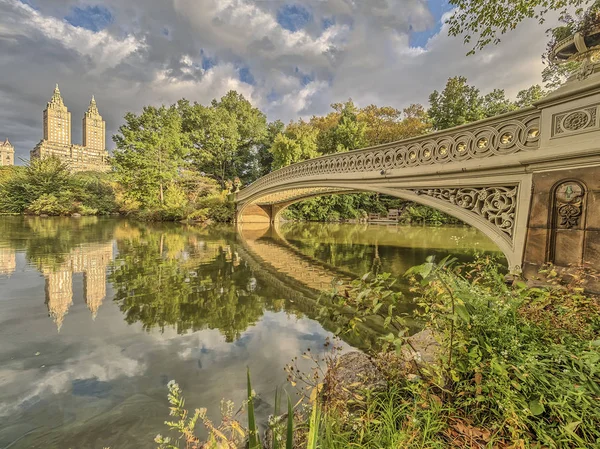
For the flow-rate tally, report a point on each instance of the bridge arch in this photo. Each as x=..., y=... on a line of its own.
x=473, y=205
x=497, y=175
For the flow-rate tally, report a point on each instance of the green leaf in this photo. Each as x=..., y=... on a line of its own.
x=536, y=407
x=253, y=442
x=572, y=426
x=313, y=430
x=275, y=442
x=289, y=442
x=463, y=313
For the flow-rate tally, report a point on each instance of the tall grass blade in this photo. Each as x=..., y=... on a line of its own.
x=289, y=441
x=275, y=444
x=253, y=442
x=313, y=430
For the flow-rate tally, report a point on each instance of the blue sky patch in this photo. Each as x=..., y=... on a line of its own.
x=93, y=18
x=207, y=62
x=293, y=17
x=438, y=8
x=327, y=22
x=273, y=96
x=29, y=3
x=246, y=76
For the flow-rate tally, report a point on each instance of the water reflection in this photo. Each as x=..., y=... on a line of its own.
x=139, y=304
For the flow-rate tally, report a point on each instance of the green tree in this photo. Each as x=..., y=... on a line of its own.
x=264, y=163
x=298, y=143
x=527, y=97
x=349, y=134
x=149, y=153
x=212, y=134
x=47, y=177
x=225, y=137
x=496, y=103
x=485, y=21
x=456, y=105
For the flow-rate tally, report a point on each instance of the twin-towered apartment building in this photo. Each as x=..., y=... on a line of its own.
x=90, y=156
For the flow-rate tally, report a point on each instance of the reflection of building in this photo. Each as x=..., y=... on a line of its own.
x=8, y=261
x=92, y=155
x=91, y=260
x=7, y=154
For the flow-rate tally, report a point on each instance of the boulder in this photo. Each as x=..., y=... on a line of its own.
x=348, y=379
x=421, y=351
x=75, y=215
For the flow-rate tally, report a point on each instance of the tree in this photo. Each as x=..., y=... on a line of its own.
x=149, y=153
x=349, y=134
x=213, y=137
x=264, y=162
x=486, y=21
x=496, y=103
x=416, y=122
x=298, y=143
x=251, y=126
x=527, y=97
x=456, y=105
x=225, y=137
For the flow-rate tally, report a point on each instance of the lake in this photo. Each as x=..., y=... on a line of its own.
x=98, y=315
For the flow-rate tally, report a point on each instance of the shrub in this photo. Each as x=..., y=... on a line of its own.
x=49, y=205
x=219, y=208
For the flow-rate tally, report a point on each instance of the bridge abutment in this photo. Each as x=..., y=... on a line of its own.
x=564, y=221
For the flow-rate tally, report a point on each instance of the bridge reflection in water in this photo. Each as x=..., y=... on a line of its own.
x=190, y=278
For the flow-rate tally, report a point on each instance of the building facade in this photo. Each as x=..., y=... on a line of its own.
x=92, y=155
x=7, y=154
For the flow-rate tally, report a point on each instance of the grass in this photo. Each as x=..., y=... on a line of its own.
x=520, y=369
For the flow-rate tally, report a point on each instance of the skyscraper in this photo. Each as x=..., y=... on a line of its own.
x=92, y=155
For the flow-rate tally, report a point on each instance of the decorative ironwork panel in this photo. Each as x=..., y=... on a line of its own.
x=569, y=204
x=497, y=205
x=494, y=138
x=575, y=121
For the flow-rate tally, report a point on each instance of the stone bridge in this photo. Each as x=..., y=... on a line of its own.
x=529, y=180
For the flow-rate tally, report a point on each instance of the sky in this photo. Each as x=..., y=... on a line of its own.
x=290, y=59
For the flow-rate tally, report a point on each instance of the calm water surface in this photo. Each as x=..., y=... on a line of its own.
x=97, y=315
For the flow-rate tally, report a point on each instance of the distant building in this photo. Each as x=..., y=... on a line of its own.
x=7, y=154
x=91, y=260
x=92, y=155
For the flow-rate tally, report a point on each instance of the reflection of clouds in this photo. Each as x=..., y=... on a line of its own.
x=105, y=364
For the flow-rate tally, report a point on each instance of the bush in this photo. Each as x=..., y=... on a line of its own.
x=49, y=205
x=219, y=208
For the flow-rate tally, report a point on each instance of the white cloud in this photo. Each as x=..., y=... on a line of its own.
x=152, y=53
x=104, y=364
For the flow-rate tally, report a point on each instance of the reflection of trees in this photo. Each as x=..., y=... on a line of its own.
x=359, y=248
x=176, y=279
x=48, y=241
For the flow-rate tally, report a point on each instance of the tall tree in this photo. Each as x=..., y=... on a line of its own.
x=213, y=136
x=349, y=134
x=485, y=21
x=387, y=124
x=496, y=103
x=456, y=105
x=149, y=152
x=527, y=97
x=251, y=126
x=264, y=160
x=298, y=143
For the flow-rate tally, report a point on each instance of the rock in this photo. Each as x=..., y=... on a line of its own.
x=76, y=215
x=348, y=379
x=44, y=215
x=300, y=432
x=421, y=351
